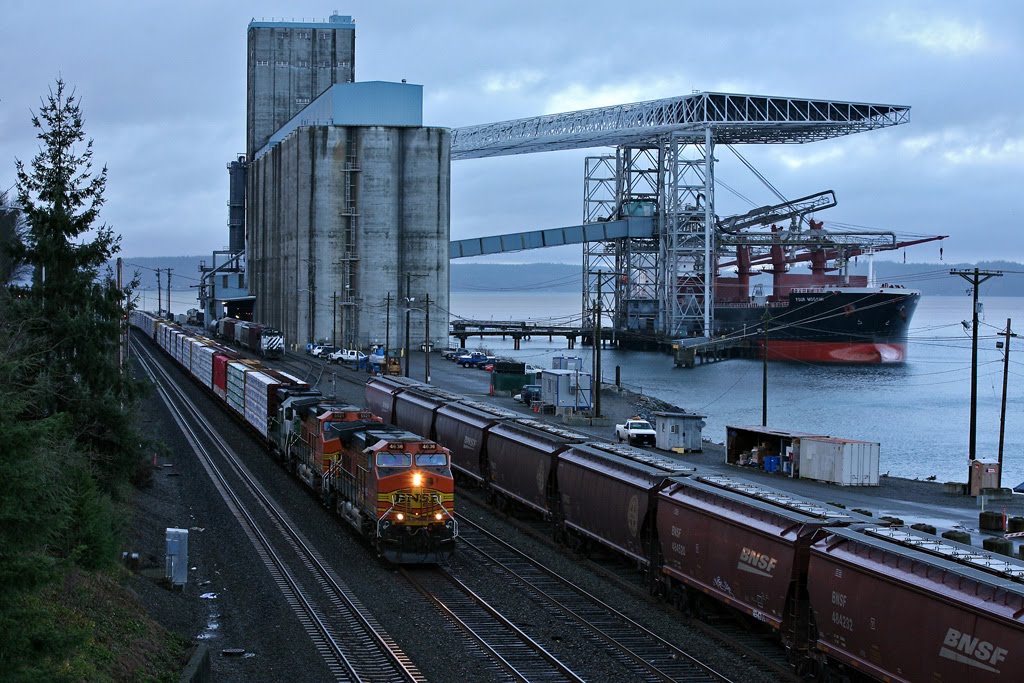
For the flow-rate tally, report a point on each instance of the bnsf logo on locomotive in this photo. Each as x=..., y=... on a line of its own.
x=754, y=562
x=402, y=497
x=966, y=649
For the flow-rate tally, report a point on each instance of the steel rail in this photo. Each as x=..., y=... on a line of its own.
x=340, y=596
x=648, y=651
x=520, y=655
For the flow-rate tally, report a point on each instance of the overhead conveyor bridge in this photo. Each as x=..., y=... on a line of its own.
x=659, y=270
x=634, y=226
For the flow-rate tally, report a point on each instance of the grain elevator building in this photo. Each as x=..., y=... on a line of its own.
x=347, y=216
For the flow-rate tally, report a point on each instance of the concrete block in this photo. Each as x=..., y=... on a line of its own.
x=1003, y=546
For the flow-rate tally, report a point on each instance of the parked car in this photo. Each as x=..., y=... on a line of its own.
x=528, y=394
x=453, y=354
x=323, y=351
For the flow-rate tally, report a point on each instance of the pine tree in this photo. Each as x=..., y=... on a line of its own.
x=9, y=224
x=81, y=309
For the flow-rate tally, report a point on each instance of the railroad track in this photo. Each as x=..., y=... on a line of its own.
x=520, y=656
x=647, y=655
x=732, y=634
x=353, y=645
x=753, y=644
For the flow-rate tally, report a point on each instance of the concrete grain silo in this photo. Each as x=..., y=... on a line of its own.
x=348, y=210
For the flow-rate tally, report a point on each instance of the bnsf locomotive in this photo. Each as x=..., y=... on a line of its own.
x=848, y=597
x=393, y=486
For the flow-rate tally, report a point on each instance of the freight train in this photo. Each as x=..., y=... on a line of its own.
x=848, y=597
x=261, y=339
x=393, y=486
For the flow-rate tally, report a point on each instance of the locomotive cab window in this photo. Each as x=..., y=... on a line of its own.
x=390, y=459
x=431, y=459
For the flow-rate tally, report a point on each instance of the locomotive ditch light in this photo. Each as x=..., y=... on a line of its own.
x=399, y=516
x=417, y=479
x=438, y=516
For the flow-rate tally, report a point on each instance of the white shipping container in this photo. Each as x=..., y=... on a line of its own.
x=203, y=361
x=840, y=461
x=236, y=386
x=257, y=386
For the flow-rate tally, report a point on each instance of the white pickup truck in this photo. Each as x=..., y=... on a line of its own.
x=347, y=356
x=636, y=432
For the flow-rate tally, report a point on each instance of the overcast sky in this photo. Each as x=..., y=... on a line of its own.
x=163, y=90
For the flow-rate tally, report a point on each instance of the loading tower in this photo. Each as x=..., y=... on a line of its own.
x=649, y=207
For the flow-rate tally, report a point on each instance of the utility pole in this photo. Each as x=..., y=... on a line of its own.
x=975, y=277
x=169, y=315
x=595, y=385
x=334, y=320
x=764, y=369
x=1002, y=412
x=387, y=328
x=426, y=340
x=408, y=313
x=122, y=330
x=159, y=295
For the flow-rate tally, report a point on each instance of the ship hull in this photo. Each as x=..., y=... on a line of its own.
x=828, y=325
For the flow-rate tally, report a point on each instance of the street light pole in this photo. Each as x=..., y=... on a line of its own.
x=764, y=370
x=387, y=328
x=408, y=312
x=1002, y=411
x=426, y=340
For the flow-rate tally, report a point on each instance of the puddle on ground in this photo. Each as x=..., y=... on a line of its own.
x=212, y=628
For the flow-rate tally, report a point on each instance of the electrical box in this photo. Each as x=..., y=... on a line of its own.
x=176, y=565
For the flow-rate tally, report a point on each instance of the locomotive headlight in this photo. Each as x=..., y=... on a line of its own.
x=417, y=479
x=438, y=516
x=399, y=516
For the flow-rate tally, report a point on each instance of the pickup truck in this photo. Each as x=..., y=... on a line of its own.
x=347, y=356
x=474, y=360
x=636, y=432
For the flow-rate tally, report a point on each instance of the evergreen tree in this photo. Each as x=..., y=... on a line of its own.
x=81, y=309
x=9, y=224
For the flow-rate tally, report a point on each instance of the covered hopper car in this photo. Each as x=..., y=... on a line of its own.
x=847, y=598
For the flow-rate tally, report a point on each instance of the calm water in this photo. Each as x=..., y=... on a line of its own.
x=919, y=411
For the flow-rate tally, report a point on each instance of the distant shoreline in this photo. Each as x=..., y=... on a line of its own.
x=930, y=278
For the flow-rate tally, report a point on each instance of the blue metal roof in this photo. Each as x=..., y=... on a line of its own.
x=367, y=103
x=336, y=21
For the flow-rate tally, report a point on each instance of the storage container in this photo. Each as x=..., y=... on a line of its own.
x=679, y=431
x=840, y=461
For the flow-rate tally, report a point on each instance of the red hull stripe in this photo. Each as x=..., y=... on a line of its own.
x=836, y=352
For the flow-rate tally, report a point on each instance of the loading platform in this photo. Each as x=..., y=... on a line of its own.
x=686, y=353
x=518, y=330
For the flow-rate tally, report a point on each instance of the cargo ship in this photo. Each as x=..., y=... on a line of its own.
x=826, y=324
x=824, y=316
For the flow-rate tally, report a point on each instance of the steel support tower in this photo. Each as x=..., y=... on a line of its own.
x=663, y=167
